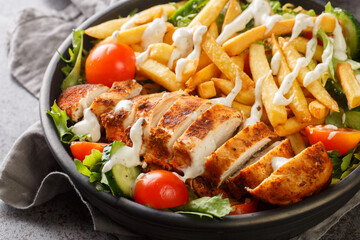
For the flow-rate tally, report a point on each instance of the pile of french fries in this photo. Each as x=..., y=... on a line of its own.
x=214, y=73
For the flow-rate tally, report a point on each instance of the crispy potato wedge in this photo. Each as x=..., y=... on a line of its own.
x=206, y=89
x=349, y=83
x=318, y=110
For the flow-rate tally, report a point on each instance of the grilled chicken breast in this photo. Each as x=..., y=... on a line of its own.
x=183, y=112
x=254, y=174
x=214, y=127
x=306, y=173
x=74, y=100
x=118, y=91
x=234, y=154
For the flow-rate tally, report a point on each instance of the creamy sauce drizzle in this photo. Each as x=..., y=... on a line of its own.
x=275, y=63
x=331, y=135
x=331, y=127
x=129, y=24
x=128, y=156
x=277, y=162
x=88, y=126
x=227, y=101
x=154, y=33
x=256, y=109
x=260, y=10
x=183, y=43
x=123, y=105
x=195, y=54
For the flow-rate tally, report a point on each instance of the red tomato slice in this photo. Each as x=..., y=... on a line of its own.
x=245, y=208
x=81, y=149
x=110, y=62
x=161, y=189
x=341, y=139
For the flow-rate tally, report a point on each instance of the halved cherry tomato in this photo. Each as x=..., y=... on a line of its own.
x=243, y=208
x=110, y=62
x=81, y=149
x=341, y=139
x=160, y=189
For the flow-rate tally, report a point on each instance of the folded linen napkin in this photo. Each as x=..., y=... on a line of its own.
x=23, y=185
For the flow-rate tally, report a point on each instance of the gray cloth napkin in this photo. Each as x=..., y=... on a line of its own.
x=32, y=41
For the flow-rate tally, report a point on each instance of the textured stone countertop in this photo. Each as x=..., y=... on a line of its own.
x=65, y=217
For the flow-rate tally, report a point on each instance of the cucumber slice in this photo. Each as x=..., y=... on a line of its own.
x=121, y=179
x=351, y=30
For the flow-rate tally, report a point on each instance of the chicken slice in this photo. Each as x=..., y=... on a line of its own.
x=117, y=122
x=254, y=174
x=234, y=154
x=74, y=100
x=183, y=112
x=118, y=91
x=214, y=127
x=308, y=172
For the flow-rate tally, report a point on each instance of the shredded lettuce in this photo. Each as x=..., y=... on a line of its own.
x=73, y=69
x=61, y=120
x=206, y=206
x=183, y=16
x=326, y=41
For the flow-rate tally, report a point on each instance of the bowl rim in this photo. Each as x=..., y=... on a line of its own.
x=345, y=188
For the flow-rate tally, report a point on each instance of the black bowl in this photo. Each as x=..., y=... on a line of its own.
x=280, y=223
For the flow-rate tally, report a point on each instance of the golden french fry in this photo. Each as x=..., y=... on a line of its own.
x=106, y=29
x=206, y=89
x=208, y=14
x=203, y=75
x=349, y=83
x=189, y=70
x=106, y=40
x=137, y=47
x=260, y=68
x=228, y=67
x=160, y=74
x=300, y=45
x=292, y=125
x=150, y=14
x=315, y=88
x=236, y=45
x=213, y=30
x=133, y=35
x=299, y=104
x=226, y=86
x=297, y=142
x=168, y=35
x=204, y=60
x=245, y=109
x=232, y=12
x=240, y=60
x=318, y=110
x=161, y=52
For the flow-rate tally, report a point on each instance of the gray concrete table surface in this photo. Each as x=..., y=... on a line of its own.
x=65, y=217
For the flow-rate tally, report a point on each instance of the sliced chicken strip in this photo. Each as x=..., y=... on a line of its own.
x=234, y=154
x=308, y=172
x=172, y=124
x=74, y=100
x=116, y=123
x=206, y=134
x=119, y=91
x=254, y=174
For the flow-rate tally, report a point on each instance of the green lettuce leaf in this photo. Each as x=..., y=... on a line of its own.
x=73, y=70
x=207, y=206
x=183, y=16
x=82, y=168
x=326, y=41
x=93, y=159
x=61, y=119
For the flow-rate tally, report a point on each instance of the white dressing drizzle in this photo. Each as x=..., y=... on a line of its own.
x=302, y=21
x=183, y=43
x=195, y=54
x=275, y=63
x=256, y=109
x=128, y=156
x=227, y=101
x=259, y=10
x=88, y=126
x=277, y=162
x=154, y=33
x=123, y=105
x=129, y=24
x=331, y=127
x=331, y=135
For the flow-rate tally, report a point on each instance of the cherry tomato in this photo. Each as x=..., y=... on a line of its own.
x=243, y=208
x=341, y=139
x=160, y=189
x=110, y=62
x=81, y=149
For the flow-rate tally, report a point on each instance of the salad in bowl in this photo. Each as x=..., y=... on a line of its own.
x=213, y=107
